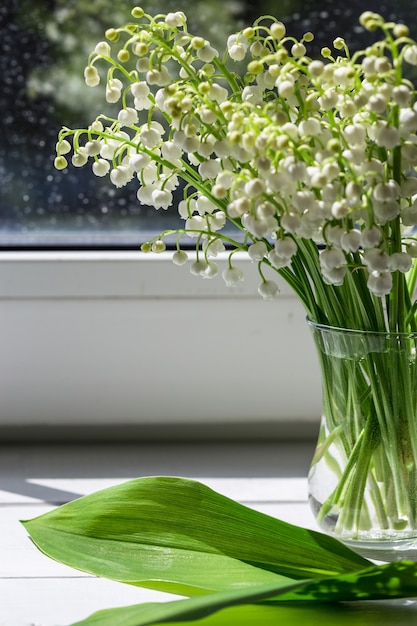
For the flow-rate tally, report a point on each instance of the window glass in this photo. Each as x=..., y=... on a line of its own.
x=44, y=46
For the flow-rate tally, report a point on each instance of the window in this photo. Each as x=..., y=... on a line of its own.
x=44, y=48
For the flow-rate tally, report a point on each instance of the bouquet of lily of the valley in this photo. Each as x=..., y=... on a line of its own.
x=308, y=166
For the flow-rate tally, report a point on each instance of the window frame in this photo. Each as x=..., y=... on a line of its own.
x=231, y=365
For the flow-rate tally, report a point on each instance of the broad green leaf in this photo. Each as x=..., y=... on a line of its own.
x=178, y=535
x=180, y=571
x=371, y=614
x=227, y=608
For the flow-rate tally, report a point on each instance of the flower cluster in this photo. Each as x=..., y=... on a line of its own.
x=311, y=161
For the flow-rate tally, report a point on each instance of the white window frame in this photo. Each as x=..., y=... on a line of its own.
x=122, y=343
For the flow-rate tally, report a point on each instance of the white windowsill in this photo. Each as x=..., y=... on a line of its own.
x=126, y=340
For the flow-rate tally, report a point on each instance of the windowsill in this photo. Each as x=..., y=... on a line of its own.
x=129, y=342
x=270, y=477
x=113, y=274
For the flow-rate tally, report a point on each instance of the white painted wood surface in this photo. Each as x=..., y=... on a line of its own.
x=35, y=591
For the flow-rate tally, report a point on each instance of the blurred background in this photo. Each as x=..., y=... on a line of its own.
x=44, y=46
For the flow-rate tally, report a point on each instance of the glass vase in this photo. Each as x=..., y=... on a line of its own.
x=363, y=476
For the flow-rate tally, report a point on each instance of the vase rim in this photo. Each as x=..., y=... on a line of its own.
x=359, y=331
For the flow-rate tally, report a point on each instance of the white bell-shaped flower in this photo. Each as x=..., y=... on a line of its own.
x=399, y=261
x=370, y=237
x=121, y=175
x=331, y=258
x=285, y=247
x=175, y=19
x=93, y=147
x=269, y=290
x=161, y=199
x=386, y=211
x=195, y=225
x=351, y=240
x=232, y=276
x=334, y=276
x=127, y=117
x=213, y=247
x=290, y=222
x=80, y=157
x=209, y=169
x=409, y=214
x=150, y=137
x=204, y=205
x=101, y=167
x=376, y=260
x=257, y=250
x=380, y=283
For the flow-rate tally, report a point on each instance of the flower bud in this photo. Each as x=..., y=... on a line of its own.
x=112, y=34
x=409, y=215
x=412, y=249
x=60, y=163
x=298, y=50
x=278, y=30
x=179, y=257
x=121, y=175
x=401, y=95
x=410, y=54
x=63, y=147
x=91, y=76
x=158, y=246
x=113, y=95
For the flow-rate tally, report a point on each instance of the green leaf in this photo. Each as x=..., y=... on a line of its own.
x=371, y=614
x=388, y=581
x=178, y=535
